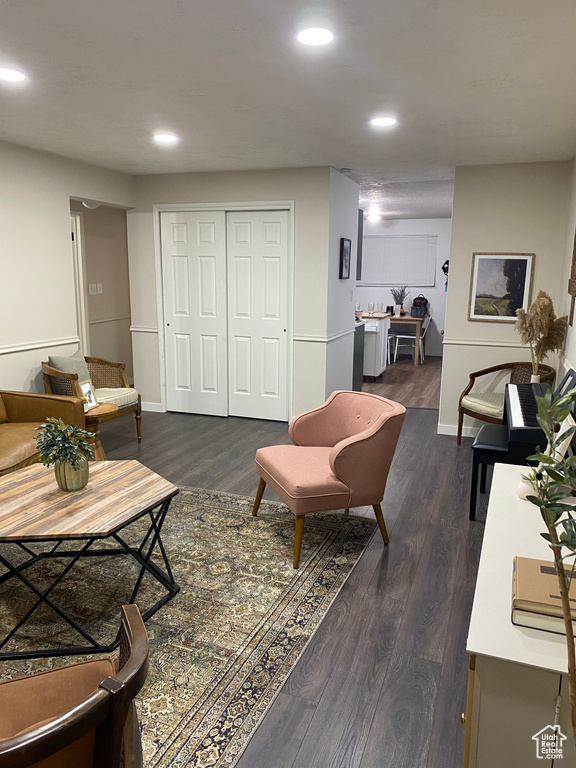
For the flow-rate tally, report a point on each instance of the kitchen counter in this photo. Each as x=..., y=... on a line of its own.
x=376, y=315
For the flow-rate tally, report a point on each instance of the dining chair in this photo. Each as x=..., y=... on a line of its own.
x=80, y=714
x=391, y=342
x=340, y=458
x=409, y=340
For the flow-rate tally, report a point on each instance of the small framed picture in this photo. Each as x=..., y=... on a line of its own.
x=89, y=396
x=345, y=250
x=500, y=284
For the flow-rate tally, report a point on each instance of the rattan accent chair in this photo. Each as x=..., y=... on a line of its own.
x=80, y=714
x=109, y=381
x=489, y=406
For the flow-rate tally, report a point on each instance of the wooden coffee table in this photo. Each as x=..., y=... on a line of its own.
x=33, y=511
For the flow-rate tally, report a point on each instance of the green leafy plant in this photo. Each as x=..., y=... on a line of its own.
x=66, y=443
x=539, y=327
x=554, y=484
x=399, y=294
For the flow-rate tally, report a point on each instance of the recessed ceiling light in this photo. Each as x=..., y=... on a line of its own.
x=12, y=75
x=315, y=36
x=383, y=121
x=374, y=214
x=165, y=138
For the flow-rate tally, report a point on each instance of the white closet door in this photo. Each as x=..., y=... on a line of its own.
x=257, y=248
x=194, y=282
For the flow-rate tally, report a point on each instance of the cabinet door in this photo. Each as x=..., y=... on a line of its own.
x=511, y=704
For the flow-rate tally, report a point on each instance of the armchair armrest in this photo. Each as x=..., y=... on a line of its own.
x=50, y=373
x=107, y=373
x=363, y=461
x=32, y=407
x=314, y=427
x=485, y=371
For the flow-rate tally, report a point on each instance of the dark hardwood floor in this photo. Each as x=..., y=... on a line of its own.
x=382, y=684
x=413, y=386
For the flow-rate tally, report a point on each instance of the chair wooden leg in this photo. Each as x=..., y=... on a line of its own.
x=381, y=523
x=460, y=419
x=298, y=539
x=259, y=494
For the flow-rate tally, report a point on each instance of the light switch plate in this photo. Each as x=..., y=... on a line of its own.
x=99, y=287
x=92, y=289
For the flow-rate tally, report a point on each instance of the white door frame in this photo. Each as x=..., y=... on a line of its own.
x=263, y=205
x=78, y=251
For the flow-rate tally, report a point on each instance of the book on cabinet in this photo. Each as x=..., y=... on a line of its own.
x=536, y=600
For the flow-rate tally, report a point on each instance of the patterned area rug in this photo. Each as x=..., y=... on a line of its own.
x=222, y=647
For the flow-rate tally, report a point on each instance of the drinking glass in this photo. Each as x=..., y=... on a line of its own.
x=371, y=308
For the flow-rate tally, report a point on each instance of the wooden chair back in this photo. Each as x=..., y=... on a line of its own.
x=107, y=717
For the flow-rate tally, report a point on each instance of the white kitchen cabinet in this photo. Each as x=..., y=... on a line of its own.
x=375, y=345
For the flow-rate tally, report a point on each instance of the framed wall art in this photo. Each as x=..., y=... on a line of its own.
x=500, y=284
x=345, y=252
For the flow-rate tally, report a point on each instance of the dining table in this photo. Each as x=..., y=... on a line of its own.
x=404, y=320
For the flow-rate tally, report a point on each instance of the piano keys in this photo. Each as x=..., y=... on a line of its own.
x=520, y=411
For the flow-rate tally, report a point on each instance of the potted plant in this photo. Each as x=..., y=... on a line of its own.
x=399, y=295
x=554, y=488
x=539, y=327
x=66, y=447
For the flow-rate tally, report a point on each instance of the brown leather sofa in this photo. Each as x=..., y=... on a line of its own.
x=20, y=414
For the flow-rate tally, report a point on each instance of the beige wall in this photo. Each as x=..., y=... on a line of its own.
x=344, y=194
x=309, y=189
x=521, y=208
x=37, y=310
x=106, y=262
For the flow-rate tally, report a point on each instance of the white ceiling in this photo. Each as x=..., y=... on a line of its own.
x=490, y=81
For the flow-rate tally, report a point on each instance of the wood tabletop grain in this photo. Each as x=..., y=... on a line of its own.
x=32, y=507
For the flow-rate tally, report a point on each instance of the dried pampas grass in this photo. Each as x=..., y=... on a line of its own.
x=539, y=327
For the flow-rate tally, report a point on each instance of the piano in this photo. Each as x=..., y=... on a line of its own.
x=520, y=411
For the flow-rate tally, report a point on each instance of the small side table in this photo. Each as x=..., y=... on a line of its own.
x=93, y=418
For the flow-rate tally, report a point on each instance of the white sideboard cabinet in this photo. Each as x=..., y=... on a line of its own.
x=515, y=672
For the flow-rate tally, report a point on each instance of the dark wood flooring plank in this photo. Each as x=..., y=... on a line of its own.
x=447, y=739
x=401, y=728
x=413, y=386
x=310, y=676
x=425, y=623
x=349, y=700
x=418, y=430
x=280, y=734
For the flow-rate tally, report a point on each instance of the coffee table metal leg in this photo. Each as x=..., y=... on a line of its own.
x=142, y=555
x=43, y=598
x=147, y=564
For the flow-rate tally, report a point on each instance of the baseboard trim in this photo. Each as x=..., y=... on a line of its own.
x=156, y=407
x=452, y=429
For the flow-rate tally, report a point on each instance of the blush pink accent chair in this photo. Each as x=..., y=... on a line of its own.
x=341, y=456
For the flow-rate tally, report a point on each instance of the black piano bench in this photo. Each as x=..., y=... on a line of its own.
x=490, y=446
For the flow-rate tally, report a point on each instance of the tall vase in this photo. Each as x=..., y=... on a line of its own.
x=70, y=479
